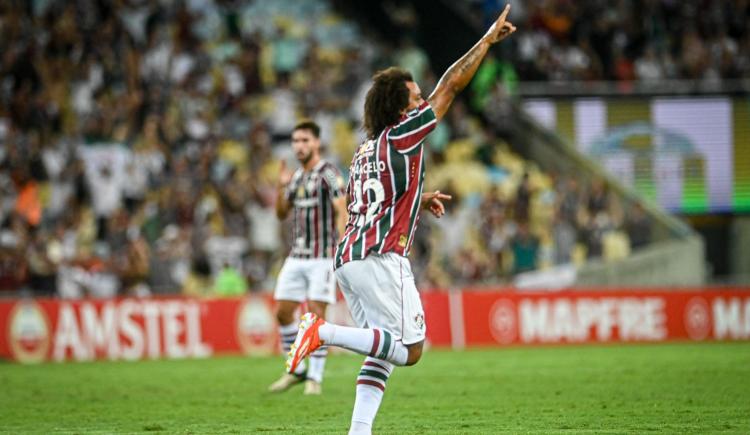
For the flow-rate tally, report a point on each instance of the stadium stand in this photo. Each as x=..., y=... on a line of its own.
x=627, y=40
x=139, y=141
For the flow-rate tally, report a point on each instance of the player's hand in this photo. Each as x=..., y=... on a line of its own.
x=285, y=175
x=501, y=28
x=433, y=201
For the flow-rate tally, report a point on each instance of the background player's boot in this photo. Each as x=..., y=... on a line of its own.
x=285, y=382
x=313, y=388
x=306, y=342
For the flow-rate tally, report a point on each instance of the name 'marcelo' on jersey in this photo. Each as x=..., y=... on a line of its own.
x=385, y=189
x=310, y=194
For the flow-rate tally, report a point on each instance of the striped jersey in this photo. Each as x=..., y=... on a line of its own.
x=311, y=194
x=385, y=189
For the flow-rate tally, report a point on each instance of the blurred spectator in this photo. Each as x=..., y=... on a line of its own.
x=523, y=200
x=41, y=269
x=134, y=264
x=525, y=247
x=198, y=281
x=13, y=267
x=169, y=265
x=638, y=226
x=284, y=104
x=569, y=201
x=598, y=199
x=229, y=282
x=498, y=233
x=596, y=228
x=412, y=58
x=453, y=225
x=564, y=236
x=648, y=68
x=28, y=205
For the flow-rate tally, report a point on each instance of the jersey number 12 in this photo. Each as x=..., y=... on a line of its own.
x=361, y=190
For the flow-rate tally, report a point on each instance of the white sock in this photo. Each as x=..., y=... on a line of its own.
x=377, y=343
x=359, y=428
x=317, y=364
x=288, y=334
x=370, y=389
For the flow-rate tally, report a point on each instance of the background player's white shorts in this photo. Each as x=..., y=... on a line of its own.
x=303, y=279
x=381, y=293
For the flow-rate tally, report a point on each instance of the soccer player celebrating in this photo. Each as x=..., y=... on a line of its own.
x=315, y=193
x=385, y=196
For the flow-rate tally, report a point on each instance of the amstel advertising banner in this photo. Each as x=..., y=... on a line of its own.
x=36, y=330
x=132, y=329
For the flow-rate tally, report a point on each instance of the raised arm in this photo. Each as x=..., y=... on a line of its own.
x=282, y=202
x=460, y=73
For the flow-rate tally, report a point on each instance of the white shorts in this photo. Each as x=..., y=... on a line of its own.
x=303, y=279
x=381, y=293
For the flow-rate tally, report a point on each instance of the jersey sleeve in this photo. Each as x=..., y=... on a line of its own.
x=333, y=181
x=410, y=132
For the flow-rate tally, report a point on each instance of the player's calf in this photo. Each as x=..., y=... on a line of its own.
x=285, y=312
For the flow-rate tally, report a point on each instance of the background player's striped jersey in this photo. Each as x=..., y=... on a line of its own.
x=385, y=189
x=311, y=193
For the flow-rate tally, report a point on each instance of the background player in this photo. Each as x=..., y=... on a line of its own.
x=314, y=193
x=385, y=194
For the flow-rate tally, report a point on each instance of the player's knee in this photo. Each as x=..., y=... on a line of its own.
x=284, y=316
x=415, y=353
x=319, y=308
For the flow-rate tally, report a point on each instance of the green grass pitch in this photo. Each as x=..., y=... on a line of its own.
x=633, y=389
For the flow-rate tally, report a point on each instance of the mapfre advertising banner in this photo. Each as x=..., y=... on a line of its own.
x=612, y=316
x=35, y=330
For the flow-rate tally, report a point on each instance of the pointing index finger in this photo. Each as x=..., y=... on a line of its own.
x=504, y=14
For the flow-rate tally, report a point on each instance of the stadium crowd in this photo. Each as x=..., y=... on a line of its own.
x=140, y=144
x=627, y=40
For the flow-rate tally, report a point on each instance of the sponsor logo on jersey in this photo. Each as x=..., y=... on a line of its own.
x=367, y=149
x=402, y=240
x=312, y=182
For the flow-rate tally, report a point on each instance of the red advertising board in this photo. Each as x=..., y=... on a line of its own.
x=497, y=318
x=35, y=330
x=130, y=329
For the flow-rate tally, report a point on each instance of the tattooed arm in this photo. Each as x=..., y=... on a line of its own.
x=460, y=73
